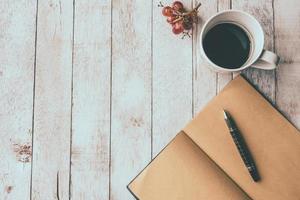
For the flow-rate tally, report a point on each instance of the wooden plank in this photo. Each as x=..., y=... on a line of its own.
x=131, y=93
x=91, y=100
x=172, y=79
x=17, y=47
x=205, y=80
x=224, y=5
x=264, y=80
x=223, y=78
x=52, y=110
x=287, y=45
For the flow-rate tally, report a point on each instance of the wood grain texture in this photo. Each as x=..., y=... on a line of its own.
x=172, y=79
x=223, y=78
x=91, y=100
x=17, y=49
x=204, y=79
x=287, y=45
x=131, y=93
x=131, y=78
x=52, y=110
x=224, y=5
x=264, y=80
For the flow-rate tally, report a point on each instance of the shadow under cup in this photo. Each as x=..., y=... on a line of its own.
x=225, y=37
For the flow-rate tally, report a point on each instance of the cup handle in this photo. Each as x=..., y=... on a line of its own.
x=268, y=61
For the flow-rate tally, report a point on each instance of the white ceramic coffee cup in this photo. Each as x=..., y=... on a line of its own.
x=258, y=57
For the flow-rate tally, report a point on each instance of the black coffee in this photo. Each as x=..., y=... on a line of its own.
x=227, y=45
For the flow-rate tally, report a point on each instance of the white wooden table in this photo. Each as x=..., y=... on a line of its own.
x=91, y=90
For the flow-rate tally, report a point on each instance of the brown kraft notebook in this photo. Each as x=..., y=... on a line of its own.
x=202, y=161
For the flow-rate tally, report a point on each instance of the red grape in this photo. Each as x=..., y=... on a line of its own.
x=187, y=23
x=171, y=19
x=178, y=28
x=167, y=11
x=177, y=5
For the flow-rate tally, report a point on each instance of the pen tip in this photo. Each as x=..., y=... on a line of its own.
x=225, y=114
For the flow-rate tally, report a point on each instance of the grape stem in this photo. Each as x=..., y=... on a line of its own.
x=182, y=15
x=178, y=19
x=160, y=4
x=185, y=33
x=194, y=10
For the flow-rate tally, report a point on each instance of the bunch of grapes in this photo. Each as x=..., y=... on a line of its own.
x=180, y=19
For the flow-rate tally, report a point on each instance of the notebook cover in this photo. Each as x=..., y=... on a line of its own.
x=182, y=171
x=273, y=141
x=202, y=161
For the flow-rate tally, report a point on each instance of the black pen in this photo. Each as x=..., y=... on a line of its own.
x=241, y=146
